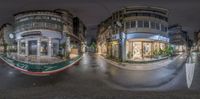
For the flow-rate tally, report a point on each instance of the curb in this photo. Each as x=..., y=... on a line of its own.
x=142, y=68
x=42, y=73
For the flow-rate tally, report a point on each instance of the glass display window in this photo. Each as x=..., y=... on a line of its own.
x=147, y=49
x=137, y=50
x=44, y=48
x=22, y=47
x=162, y=46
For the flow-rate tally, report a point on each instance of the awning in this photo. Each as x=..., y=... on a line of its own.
x=149, y=36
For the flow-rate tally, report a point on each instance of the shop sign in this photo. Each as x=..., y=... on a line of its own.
x=160, y=38
x=33, y=33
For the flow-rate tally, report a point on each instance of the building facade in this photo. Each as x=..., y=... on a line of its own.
x=47, y=33
x=179, y=38
x=79, y=31
x=7, y=41
x=197, y=41
x=38, y=33
x=134, y=33
x=74, y=31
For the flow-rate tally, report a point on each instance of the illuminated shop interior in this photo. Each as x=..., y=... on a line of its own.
x=139, y=49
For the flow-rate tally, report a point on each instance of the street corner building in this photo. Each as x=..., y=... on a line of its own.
x=197, y=41
x=179, y=39
x=135, y=33
x=6, y=38
x=45, y=33
x=41, y=37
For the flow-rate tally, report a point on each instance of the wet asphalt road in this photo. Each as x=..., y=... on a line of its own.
x=93, y=78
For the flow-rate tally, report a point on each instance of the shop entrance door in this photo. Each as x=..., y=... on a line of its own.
x=115, y=50
x=32, y=47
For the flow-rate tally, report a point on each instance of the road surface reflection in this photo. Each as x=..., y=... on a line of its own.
x=166, y=78
x=92, y=70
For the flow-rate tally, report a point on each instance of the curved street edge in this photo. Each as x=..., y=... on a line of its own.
x=42, y=73
x=153, y=67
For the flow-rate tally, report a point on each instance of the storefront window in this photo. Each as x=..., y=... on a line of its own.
x=157, y=26
x=165, y=29
x=146, y=49
x=133, y=24
x=156, y=46
x=137, y=50
x=142, y=50
x=162, y=46
x=115, y=47
x=32, y=47
x=22, y=47
x=162, y=28
x=55, y=49
x=153, y=25
x=109, y=50
x=146, y=24
x=127, y=25
x=44, y=48
x=140, y=24
x=104, y=49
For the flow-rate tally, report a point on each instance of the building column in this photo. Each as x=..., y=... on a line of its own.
x=152, y=50
x=136, y=22
x=50, y=47
x=124, y=50
x=122, y=46
x=110, y=48
x=68, y=47
x=18, y=47
x=38, y=47
x=142, y=50
x=79, y=48
x=26, y=47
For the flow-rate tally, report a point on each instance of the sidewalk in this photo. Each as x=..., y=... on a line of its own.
x=40, y=70
x=39, y=60
x=146, y=66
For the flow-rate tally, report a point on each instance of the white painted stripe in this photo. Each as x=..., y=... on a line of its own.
x=190, y=67
x=189, y=73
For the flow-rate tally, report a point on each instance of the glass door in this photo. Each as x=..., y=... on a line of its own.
x=44, y=48
x=32, y=47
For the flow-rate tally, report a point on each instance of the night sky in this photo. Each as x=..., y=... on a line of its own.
x=92, y=12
